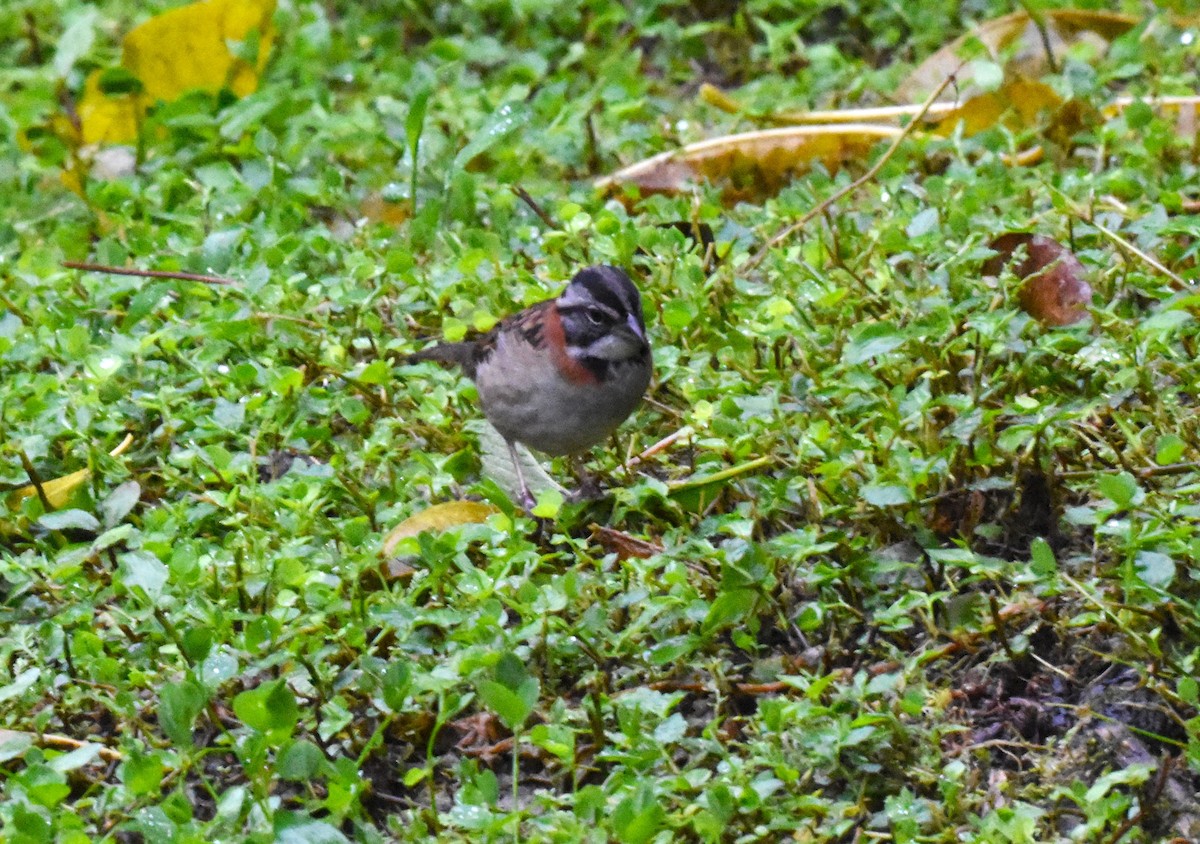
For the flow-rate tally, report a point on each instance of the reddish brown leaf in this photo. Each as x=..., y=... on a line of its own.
x=1054, y=291
x=622, y=544
x=479, y=730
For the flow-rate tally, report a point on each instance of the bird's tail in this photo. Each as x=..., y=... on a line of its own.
x=460, y=354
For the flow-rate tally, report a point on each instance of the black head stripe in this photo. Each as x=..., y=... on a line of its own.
x=610, y=287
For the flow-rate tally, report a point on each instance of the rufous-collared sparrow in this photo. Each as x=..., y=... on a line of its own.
x=561, y=375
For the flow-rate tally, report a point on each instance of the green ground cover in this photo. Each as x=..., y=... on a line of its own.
x=921, y=569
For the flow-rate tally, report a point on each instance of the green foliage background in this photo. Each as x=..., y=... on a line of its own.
x=946, y=549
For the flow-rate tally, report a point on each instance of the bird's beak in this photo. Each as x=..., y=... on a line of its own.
x=636, y=327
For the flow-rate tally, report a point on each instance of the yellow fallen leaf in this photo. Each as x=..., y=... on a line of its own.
x=439, y=517
x=750, y=166
x=1018, y=103
x=178, y=51
x=107, y=118
x=187, y=48
x=59, y=490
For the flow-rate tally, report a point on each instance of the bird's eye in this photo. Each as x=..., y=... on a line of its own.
x=594, y=316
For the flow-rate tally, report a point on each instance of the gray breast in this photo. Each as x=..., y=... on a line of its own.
x=531, y=403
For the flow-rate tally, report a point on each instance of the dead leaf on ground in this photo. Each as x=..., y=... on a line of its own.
x=58, y=490
x=1185, y=108
x=751, y=166
x=379, y=210
x=1019, y=104
x=108, y=117
x=622, y=544
x=1055, y=291
x=482, y=729
x=1021, y=34
x=180, y=50
x=438, y=518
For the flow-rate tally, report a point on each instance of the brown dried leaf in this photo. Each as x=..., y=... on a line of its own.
x=439, y=517
x=1054, y=291
x=751, y=166
x=622, y=544
x=379, y=210
x=1064, y=28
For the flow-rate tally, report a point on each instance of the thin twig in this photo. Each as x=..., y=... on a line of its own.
x=665, y=442
x=1088, y=217
x=1143, y=473
x=871, y=173
x=1039, y=22
x=269, y=317
x=105, y=268
x=524, y=196
x=66, y=742
x=1176, y=282
x=35, y=479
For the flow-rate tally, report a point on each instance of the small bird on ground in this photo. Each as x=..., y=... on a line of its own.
x=561, y=375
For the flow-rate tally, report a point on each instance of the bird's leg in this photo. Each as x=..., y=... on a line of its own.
x=527, y=499
x=589, y=487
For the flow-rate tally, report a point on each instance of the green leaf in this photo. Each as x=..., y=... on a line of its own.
x=117, y=81
x=141, y=571
x=886, y=495
x=178, y=706
x=729, y=608
x=69, y=520
x=299, y=761
x=873, y=341
x=396, y=682
x=636, y=820
x=1164, y=323
x=197, y=643
x=498, y=465
x=75, y=40
x=1120, y=489
x=513, y=693
x=986, y=74
x=508, y=705
x=20, y=684
x=120, y=502
x=143, y=773
x=414, y=123
x=1155, y=569
x=678, y=314
x=376, y=372
x=549, y=504
x=44, y=785
x=1168, y=449
x=511, y=671
x=503, y=122
x=924, y=222
x=1044, y=562
x=297, y=828
x=271, y=708
x=13, y=744
x=354, y=410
